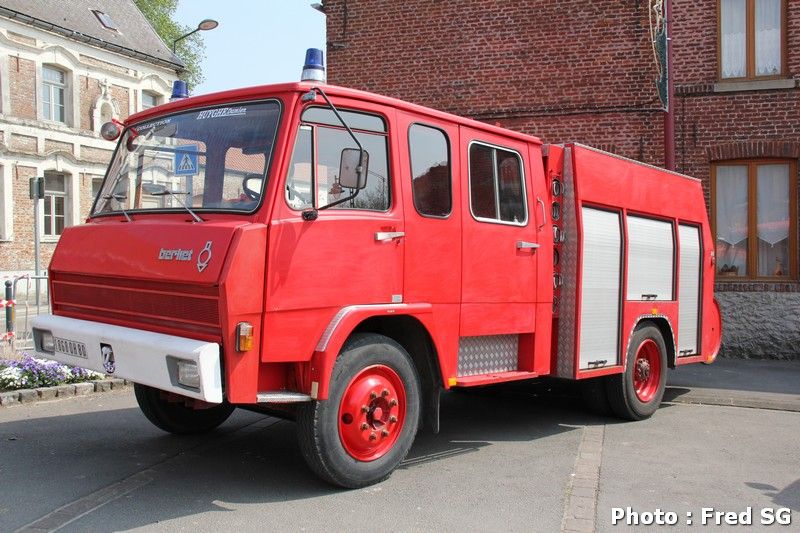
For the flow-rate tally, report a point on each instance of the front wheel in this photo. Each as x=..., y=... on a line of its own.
x=176, y=417
x=365, y=428
x=636, y=393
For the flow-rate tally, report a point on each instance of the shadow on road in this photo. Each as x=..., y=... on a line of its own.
x=248, y=461
x=788, y=497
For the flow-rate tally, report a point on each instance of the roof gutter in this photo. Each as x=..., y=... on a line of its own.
x=88, y=39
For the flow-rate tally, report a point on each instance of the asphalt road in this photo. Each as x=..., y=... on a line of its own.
x=513, y=460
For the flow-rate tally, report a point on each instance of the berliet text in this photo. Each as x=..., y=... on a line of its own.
x=707, y=516
x=179, y=255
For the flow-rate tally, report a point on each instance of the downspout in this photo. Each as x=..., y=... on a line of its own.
x=669, y=116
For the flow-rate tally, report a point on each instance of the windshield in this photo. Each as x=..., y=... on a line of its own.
x=209, y=159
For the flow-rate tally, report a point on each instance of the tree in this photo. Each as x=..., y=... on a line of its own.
x=191, y=50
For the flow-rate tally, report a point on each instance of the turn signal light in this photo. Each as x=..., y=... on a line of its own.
x=244, y=337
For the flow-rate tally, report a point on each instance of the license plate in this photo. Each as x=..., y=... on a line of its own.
x=73, y=348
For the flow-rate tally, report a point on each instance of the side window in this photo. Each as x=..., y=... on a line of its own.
x=313, y=177
x=298, y=182
x=430, y=170
x=497, y=191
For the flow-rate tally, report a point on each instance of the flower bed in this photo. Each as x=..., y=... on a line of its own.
x=31, y=373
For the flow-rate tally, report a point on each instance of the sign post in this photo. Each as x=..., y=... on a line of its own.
x=36, y=193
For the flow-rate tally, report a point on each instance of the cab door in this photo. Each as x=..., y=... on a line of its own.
x=348, y=254
x=499, y=253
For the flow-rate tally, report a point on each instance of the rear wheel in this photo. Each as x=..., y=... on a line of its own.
x=636, y=393
x=176, y=417
x=365, y=428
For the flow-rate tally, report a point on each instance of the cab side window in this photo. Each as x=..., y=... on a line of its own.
x=496, y=185
x=313, y=179
x=430, y=171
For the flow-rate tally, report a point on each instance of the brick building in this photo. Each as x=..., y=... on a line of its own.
x=65, y=69
x=584, y=71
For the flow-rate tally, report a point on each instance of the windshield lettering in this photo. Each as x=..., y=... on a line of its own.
x=224, y=112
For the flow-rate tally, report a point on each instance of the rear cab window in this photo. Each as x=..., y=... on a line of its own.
x=496, y=185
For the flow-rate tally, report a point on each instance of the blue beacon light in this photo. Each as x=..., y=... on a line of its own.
x=179, y=90
x=314, y=68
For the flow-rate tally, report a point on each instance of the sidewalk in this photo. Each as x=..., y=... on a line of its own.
x=757, y=383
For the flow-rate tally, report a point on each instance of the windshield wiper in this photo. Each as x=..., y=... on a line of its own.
x=119, y=197
x=175, y=194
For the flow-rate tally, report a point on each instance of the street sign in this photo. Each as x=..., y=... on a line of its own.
x=186, y=160
x=37, y=188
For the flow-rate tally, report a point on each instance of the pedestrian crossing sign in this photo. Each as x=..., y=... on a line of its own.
x=186, y=160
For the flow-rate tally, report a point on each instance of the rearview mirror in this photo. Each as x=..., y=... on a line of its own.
x=351, y=174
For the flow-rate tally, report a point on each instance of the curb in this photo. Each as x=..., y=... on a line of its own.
x=732, y=398
x=25, y=396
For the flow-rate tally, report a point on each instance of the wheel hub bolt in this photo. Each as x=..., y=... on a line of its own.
x=385, y=432
x=385, y=393
x=372, y=436
x=392, y=403
x=364, y=409
x=364, y=426
x=392, y=419
x=373, y=395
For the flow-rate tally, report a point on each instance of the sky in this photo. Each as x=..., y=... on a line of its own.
x=256, y=42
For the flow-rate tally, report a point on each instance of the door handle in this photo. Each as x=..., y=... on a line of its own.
x=525, y=245
x=544, y=213
x=382, y=236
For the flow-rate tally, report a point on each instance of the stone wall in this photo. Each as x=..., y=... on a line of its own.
x=759, y=325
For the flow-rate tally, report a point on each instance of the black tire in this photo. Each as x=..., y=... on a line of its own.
x=318, y=422
x=620, y=388
x=595, y=397
x=174, y=417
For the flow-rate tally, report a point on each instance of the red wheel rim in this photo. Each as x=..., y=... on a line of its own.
x=647, y=371
x=372, y=413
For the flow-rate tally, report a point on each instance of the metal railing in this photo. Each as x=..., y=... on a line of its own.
x=21, y=308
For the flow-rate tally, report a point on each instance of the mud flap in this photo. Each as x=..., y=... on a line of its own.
x=431, y=406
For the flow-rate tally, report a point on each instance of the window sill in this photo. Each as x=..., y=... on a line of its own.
x=756, y=285
x=50, y=239
x=754, y=85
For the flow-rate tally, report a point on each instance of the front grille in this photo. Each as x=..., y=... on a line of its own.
x=137, y=302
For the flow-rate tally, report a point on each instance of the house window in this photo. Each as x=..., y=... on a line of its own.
x=105, y=20
x=97, y=185
x=755, y=214
x=751, y=38
x=55, y=200
x=149, y=100
x=53, y=85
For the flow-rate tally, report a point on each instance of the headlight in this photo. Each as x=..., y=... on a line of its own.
x=44, y=340
x=188, y=374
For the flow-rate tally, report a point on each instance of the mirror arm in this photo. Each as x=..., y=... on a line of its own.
x=339, y=201
x=360, y=168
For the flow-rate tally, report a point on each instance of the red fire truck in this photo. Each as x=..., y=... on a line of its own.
x=341, y=258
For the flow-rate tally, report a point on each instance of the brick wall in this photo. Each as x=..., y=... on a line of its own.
x=90, y=91
x=18, y=254
x=582, y=71
x=21, y=86
x=566, y=71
